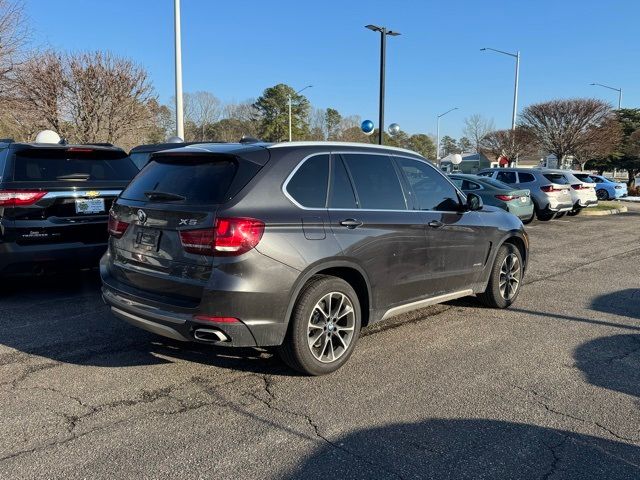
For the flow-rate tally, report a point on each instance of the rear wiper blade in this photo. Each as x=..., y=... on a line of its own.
x=74, y=176
x=154, y=195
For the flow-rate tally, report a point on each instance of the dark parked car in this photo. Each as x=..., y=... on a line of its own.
x=299, y=245
x=493, y=192
x=54, y=203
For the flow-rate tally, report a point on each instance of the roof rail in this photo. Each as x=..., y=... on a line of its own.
x=320, y=143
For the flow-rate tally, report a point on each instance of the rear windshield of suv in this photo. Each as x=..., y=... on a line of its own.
x=195, y=180
x=556, y=178
x=73, y=164
x=497, y=183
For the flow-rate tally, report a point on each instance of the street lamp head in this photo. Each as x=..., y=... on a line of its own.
x=482, y=49
x=393, y=34
x=373, y=28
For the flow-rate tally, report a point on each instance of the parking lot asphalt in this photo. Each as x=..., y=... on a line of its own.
x=548, y=389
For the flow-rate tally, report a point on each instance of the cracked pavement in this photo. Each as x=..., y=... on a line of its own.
x=549, y=389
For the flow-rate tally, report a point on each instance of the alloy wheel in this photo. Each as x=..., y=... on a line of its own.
x=510, y=275
x=331, y=327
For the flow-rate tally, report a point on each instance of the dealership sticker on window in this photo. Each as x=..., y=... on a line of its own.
x=95, y=205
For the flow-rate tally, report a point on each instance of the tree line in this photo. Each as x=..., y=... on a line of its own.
x=99, y=97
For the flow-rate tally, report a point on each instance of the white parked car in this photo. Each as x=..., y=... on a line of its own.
x=583, y=193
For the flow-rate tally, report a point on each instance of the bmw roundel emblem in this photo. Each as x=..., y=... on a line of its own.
x=142, y=217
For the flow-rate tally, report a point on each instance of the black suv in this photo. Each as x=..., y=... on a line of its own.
x=54, y=204
x=299, y=245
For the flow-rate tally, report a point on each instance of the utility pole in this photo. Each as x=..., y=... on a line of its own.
x=383, y=58
x=178, y=65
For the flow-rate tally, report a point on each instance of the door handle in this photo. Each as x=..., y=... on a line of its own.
x=350, y=223
x=435, y=224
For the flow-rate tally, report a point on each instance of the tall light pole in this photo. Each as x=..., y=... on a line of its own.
x=302, y=89
x=438, y=131
x=383, y=54
x=178, y=52
x=619, y=90
x=515, y=88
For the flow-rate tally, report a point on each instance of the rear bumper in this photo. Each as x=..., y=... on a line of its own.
x=178, y=326
x=20, y=259
x=522, y=211
x=261, y=313
x=587, y=203
x=560, y=206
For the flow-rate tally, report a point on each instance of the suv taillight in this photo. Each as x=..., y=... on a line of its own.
x=550, y=188
x=20, y=198
x=506, y=198
x=117, y=228
x=229, y=237
x=579, y=186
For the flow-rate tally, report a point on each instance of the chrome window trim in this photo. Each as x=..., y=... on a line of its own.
x=83, y=193
x=293, y=172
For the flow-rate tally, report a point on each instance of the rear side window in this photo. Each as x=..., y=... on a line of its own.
x=497, y=184
x=308, y=186
x=342, y=195
x=597, y=179
x=556, y=178
x=196, y=180
x=486, y=174
x=526, y=177
x=457, y=182
x=40, y=165
x=376, y=182
x=585, y=178
x=469, y=185
x=507, y=177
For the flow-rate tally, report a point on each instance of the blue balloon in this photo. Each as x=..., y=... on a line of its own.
x=367, y=127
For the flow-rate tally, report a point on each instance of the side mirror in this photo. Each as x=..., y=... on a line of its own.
x=474, y=202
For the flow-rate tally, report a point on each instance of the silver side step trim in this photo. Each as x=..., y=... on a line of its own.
x=392, y=312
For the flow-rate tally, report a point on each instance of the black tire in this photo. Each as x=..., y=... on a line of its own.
x=493, y=296
x=575, y=211
x=296, y=350
x=602, y=194
x=560, y=214
x=543, y=216
x=527, y=221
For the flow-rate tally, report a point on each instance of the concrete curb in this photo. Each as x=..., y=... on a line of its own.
x=613, y=211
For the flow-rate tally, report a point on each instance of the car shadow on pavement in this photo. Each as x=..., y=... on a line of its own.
x=469, y=448
x=62, y=317
x=623, y=302
x=613, y=362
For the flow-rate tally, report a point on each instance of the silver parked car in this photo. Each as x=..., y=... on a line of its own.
x=549, y=198
x=583, y=193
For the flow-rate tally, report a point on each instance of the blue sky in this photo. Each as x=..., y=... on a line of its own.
x=236, y=49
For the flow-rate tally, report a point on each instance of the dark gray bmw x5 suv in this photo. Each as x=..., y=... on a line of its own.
x=299, y=245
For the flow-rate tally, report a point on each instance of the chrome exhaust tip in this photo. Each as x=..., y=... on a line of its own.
x=210, y=335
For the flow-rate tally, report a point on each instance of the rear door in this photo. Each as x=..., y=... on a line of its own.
x=164, y=221
x=373, y=224
x=62, y=194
